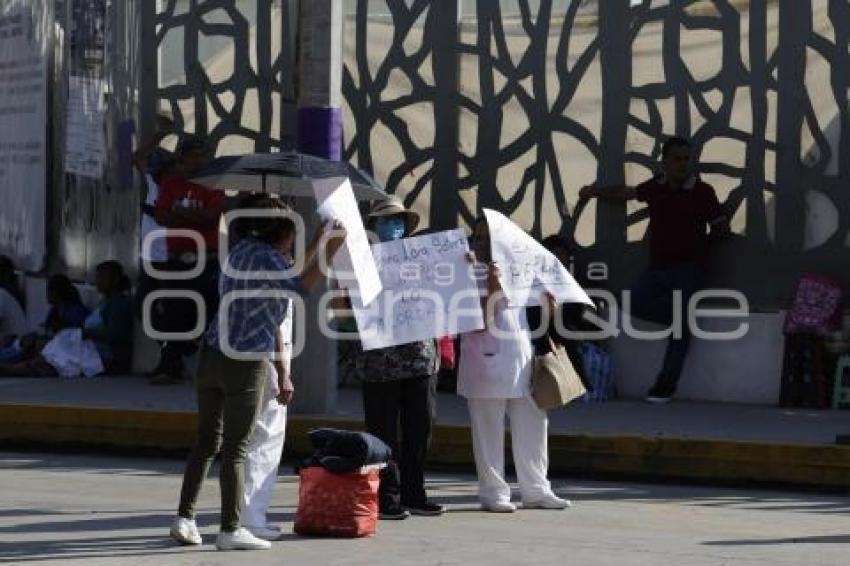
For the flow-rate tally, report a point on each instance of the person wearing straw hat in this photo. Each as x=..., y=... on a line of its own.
x=399, y=389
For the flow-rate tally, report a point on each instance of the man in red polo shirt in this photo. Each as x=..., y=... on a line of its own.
x=185, y=205
x=682, y=210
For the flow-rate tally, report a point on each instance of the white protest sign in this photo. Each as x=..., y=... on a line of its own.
x=527, y=268
x=429, y=292
x=336, y=202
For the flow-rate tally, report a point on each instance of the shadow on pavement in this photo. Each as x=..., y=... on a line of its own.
x=105, y=523
x=65, y=549
x=728, y=498
x=834, y=539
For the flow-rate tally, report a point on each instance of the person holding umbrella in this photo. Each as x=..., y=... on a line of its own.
x=234, y=361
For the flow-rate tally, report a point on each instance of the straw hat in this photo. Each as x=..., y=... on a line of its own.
x=391, y=207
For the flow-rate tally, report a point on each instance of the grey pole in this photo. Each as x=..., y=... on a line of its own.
x=319, y=128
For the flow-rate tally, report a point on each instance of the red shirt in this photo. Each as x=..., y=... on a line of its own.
x=172, y=190
x=678, y=220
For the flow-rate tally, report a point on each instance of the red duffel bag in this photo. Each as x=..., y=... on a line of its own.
x=337, y=505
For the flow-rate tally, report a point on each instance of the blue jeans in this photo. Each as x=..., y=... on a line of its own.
x=652, y=300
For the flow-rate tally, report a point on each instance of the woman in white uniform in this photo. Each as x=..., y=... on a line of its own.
x=495, y=378
x=265, y=448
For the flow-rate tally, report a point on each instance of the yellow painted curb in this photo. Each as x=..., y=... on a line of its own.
x=705, y=460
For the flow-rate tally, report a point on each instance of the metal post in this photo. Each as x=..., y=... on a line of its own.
x=795, y=23
x=444, y=27
x=148, y=79
x=616, y=64
x=320, y=78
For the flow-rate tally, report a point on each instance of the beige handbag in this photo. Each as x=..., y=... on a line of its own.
x=555, y=382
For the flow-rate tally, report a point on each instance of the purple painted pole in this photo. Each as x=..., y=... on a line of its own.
x=320, y=132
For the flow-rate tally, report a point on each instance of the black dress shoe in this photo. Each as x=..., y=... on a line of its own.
x=426, y=509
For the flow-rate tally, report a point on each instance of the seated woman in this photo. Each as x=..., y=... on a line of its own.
x=12, y=319
x=110, y=325
x=66, y=307
x=66, y=311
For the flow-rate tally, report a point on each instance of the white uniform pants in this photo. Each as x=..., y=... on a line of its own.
x=530, y=449
x=263, y=459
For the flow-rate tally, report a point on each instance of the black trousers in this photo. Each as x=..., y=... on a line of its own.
x=181, y=315
x=401, y=413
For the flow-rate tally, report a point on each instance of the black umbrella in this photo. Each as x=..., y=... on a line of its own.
x=286, y=173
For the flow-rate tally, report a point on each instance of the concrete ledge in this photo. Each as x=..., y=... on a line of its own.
x=696, y=460
x=747, y=370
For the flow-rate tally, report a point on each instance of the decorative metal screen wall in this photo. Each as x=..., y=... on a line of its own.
x=221, y=70
x=515, y=104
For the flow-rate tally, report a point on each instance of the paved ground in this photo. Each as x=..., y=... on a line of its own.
x=105, y=510
x=685, y=420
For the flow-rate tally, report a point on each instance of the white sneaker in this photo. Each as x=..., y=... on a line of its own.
x=499, y=507
x=240, y=539
x=269, y=532
x=549, y=501
x=185, y=531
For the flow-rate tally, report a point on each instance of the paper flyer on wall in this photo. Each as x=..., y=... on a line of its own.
x=85, y=153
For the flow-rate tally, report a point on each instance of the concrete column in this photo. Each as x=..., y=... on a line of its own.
x=319, y=133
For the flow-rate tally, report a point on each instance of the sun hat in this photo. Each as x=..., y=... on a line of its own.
x=393, y=206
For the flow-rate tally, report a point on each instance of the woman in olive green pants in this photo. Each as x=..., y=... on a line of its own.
x=243, y=338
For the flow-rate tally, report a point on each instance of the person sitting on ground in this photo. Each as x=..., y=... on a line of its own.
x=110, y=325
x=66, y=307
x=66, y=311
x=13, y=322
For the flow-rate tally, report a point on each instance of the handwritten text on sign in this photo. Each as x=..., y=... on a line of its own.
x=428, y=291
x=353, y=265
x=527, y=268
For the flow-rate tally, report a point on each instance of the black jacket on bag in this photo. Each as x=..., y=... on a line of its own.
x=343, y=451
